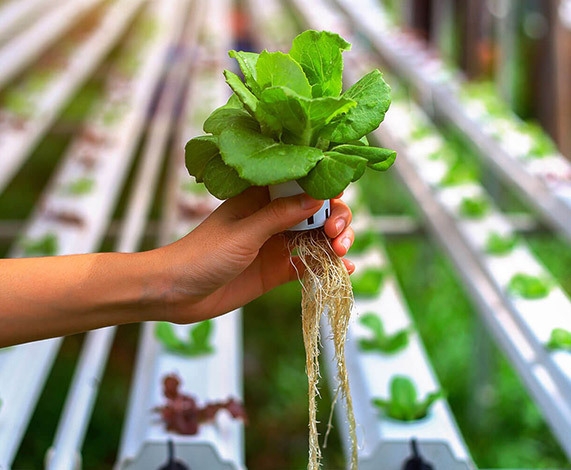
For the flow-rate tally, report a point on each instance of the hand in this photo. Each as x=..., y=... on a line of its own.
x=234, y=256
x=238, y=253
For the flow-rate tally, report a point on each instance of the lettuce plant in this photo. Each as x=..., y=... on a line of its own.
x=528, y=286
x=459, y=172
x=474, y=207
x=380, y=340
x=364, y=241
x=369, y=281
x=79, y=186
x=498, y=244
x=289, y=119
x=42, y=246
x=197, y=344
x=560, y=340
x=403, y=403
x=182, y=414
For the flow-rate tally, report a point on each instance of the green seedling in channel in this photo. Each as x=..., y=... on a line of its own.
x=79, y=187
x=498, y=244
x=403, y=403
x=369, y=281
x=529, y=287
x=197, y=344
x=474, y=207
x=42, y=246
x=560, y=340
x=380, y=341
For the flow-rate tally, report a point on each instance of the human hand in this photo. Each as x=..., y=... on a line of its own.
x=238, y=253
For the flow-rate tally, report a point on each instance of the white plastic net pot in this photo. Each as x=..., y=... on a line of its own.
x=291, y=188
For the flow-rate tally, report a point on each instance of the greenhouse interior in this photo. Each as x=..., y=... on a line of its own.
x=458, y=345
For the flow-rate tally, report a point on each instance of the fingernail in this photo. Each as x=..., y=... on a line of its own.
x=350, y=266
x=346, y=242
x=339, y=225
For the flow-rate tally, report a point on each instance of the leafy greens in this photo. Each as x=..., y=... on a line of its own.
x=198, y=343
x=289, y=119
x=404, y=403
x=381, y=341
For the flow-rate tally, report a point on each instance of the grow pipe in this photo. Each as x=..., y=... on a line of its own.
x=383, y=440
x=28, y=46
x=75, y=418
x=21, y=386
x=14, y=15
x=15, y=146
x=449, y=449
x=489, y=302
x=546, y=381
x=370, y=374
x=218, y=445
x=440, y=97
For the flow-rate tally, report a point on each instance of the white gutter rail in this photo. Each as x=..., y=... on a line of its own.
x=545, y=184
x=15, y=14
x=75, y=418
x=17, y=141
x=384, y=440
x=383, y=443
x=79, y=223
x=208, y=378
x=522, y=326
x=28, y=45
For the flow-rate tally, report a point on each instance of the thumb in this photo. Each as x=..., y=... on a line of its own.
x=279, y=215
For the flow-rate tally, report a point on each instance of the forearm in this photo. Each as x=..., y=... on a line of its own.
x=230, y=259
x=56, y=296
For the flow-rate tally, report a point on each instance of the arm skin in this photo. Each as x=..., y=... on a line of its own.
x=234, y=256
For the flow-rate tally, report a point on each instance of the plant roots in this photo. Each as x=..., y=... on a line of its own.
x=326, y=289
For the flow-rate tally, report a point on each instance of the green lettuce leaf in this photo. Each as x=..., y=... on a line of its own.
x=221, y=180
x=332, y=175
x=247, y=98
x=378, y=158
x=228, y=116
x=372, y=95
x=319, y=54
x=247, y=63
x=279, y=69
x=198, y=152
x=261, y=160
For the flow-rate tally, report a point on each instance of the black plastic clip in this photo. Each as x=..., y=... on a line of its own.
x=416, y=462
x=172, y=462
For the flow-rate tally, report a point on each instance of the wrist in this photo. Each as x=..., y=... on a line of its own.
x=164, y=284
x=123, y=286
x=152, y=286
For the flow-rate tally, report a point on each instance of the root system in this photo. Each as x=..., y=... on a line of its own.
x=326, y=290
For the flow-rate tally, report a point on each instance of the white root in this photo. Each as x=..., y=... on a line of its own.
x=326, y=289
